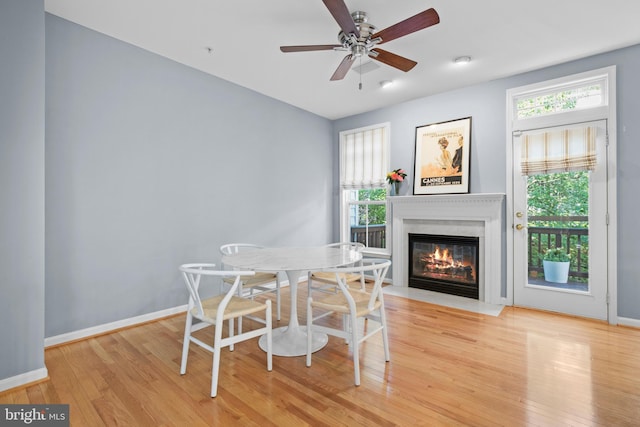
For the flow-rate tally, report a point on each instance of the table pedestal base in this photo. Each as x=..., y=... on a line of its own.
x=292, y=341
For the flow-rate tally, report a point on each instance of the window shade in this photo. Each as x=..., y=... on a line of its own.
x=364, y=159
x=569, y=149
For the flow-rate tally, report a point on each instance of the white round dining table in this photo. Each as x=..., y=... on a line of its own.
x=291, y=340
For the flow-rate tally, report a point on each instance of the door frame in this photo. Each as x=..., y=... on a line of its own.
x=606, y=112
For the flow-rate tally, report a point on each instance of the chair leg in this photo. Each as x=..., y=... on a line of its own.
x=217, y=341
x=385, y=337
x=354, y=349
x=277, y=297
x=346, y=325
x=240, y=292
x=231, y=327
x=309, y=283
x=185, y=344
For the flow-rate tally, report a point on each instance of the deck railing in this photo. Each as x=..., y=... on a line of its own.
x=373, y=236
x=574, y=240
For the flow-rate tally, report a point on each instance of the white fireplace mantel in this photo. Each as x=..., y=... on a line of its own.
x=479, y=215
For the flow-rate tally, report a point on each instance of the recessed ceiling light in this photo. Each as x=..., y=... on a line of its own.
x=386, y=83
x=462, y=60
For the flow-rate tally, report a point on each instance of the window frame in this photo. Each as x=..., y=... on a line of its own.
x=346, y=202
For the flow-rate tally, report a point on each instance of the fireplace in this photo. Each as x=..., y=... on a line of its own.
x=473, y=215
x=447, y=264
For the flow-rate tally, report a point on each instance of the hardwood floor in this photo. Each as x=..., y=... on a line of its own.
x=448, y=367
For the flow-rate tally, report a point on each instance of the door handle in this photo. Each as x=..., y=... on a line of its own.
x=519, y=226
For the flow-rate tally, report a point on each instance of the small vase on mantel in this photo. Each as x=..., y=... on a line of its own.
x=394, y=189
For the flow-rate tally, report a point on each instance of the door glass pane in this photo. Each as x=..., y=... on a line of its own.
x=558, y=230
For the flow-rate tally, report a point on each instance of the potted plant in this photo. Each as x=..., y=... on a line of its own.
x=556, y=265
x=395, y=179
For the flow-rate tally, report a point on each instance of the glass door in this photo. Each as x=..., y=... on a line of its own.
x=560, y=219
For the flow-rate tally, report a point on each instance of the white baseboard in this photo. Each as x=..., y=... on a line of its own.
x=625, y=321
x=108, y=327
x=124, y=323
x=22, y=379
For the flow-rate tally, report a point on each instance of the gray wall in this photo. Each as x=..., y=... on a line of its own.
x=150, y=164
x=21, y=187
x=486, y=104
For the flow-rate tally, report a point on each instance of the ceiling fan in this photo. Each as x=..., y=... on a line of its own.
x=359, y=39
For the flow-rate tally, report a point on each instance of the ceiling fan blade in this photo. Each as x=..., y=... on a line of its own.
x=343, y=68
x=396, y=61
x=342, y=16
x=410, y=25
x=309, y=48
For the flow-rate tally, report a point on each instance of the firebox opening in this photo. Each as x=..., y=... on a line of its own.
x=447, y=264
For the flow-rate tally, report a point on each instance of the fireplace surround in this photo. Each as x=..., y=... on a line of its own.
x=474, y=215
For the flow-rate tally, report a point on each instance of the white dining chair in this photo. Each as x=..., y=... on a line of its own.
x=353, y=304
x=327, y=281
x=214, y=311
x=323, y=281
x=259, y=283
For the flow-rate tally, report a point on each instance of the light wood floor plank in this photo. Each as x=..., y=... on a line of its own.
x=448, y=368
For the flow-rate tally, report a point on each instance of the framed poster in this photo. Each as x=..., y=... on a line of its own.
x=442, y=157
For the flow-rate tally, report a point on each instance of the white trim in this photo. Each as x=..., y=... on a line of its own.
x=484, y=208
x=109, y=327
x=606, y=112
x=124, y=323
x=23, y=379
x=625, y=321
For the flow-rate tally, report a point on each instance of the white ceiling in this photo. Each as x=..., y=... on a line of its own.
x=504, y=37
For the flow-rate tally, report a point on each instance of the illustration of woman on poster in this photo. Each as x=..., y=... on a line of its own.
x=445, y=157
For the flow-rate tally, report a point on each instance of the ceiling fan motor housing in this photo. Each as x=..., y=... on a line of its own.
x=358, y=45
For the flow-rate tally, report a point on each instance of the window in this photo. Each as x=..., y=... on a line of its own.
x=364, y=162
x=580, y=95
x=587, y=94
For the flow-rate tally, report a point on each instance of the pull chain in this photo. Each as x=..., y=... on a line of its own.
x=360, y=84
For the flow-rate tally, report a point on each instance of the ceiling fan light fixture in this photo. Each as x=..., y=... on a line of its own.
x=462, y=60
x=386, y=83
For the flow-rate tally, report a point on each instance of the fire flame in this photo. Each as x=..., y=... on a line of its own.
x=443, y=259
x=444, y=256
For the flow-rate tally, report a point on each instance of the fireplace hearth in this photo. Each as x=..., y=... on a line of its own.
x=447, y=264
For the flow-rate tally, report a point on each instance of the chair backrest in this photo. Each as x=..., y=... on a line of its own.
x=192, y=273
x=234, y=248
x=375, y=267
x=355, y=246
x=351, y=246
